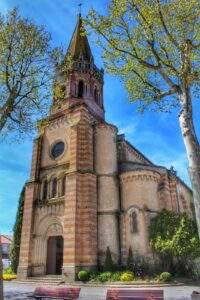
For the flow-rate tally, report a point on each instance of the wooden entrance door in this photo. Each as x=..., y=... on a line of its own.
x=54, y=255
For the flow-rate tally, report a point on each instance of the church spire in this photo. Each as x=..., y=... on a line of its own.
x=82, y=83
x=79, y=47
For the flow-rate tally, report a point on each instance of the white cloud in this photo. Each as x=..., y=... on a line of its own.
x=130, y=129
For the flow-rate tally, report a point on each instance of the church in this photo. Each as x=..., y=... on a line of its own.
x=89, y=188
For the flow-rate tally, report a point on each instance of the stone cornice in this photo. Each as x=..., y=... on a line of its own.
x=55, y=166
x=107, y=126
x=140, y=175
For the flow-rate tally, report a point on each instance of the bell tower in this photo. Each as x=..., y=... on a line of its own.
x=59, y=230
x=79, y=81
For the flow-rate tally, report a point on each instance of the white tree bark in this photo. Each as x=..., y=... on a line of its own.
x=192, y=148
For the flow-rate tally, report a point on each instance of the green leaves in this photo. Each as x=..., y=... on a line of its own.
x=27, y=65
x=144, y=42
x=174, y=235
x=15, y=247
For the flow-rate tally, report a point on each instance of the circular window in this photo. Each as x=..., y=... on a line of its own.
x=58, y=149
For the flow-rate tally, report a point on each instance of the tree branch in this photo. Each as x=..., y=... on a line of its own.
x=171, y=38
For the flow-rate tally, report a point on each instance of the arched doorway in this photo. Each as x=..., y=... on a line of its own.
x=54, y=255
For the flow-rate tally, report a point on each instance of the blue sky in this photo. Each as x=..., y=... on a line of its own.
x=156, y=135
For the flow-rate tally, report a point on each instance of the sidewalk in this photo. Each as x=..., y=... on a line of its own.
x=19, y=291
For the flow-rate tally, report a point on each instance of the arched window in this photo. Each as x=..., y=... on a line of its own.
x=134, y=222
x=63, y=186
x=45, y=189
x=54, y=187
x=161, y=186
x=80, y=89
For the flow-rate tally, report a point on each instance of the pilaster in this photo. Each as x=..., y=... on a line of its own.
x=26, y=239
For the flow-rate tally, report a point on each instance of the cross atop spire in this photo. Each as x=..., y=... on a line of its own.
x=79, y=46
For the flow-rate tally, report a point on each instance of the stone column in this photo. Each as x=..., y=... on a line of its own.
x=31, y=193
x=80, y=216
x=108, y=190
x=24, y=268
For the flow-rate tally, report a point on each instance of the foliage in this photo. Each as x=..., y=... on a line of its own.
x=9, y=276
x=27, y=65
x=104, y=276
x=165, y=277
x=15, y=246
x=108, y=264
x=144, y=266
x=8, y=271
x=195, y=273
x=174, y=238
x=145, y=42
x=130, y=259
x=83, y=275
x=116, y=276
x=127, y=276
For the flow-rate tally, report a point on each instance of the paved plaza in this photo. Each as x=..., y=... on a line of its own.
x=19, y=291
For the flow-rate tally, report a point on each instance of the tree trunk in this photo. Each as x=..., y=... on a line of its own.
x=1, y=274
x=192, y=148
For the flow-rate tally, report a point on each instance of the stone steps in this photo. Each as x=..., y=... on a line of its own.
x=43, y=280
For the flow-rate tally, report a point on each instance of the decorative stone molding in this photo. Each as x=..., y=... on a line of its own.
x=54, y=229
x=107, y=126
x=46, y=223
x=137, y=175
x=56, y=123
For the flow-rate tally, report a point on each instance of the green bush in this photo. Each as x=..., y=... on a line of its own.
x=108, y=264
x=174, y=238
x=83, y=275
x=105, y=276
x=116, y=276
x=165, y=277
x=196, y=274
x=130, y=260
x=127, y=276
x=94, y=276
x=8, y=270
x=15, y=246
x=143, y=266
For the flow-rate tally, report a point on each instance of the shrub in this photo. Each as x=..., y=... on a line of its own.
x=9, y=276
x=127, y=276
x=108, y=264
x=83, y=275
x=196, y=274
x=94, y=276
x=8, y=271
x=116, y=276
x=105, y=276
x=15, y=246
x=143, y=266
x=174, y=238
x=130, y=259
x=165, y=277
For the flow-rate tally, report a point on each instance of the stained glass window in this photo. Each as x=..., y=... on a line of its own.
x=57, y=149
